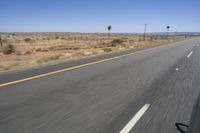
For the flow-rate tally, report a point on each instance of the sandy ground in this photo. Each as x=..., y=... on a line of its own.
x=34, y=49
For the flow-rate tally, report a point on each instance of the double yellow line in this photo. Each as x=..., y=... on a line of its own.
x=62, y=70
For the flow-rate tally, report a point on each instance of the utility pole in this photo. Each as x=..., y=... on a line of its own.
x=109, y=30
x=145, y=31
x=1, y=44
x=168, y=27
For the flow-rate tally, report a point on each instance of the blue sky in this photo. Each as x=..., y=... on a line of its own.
x=95, y=15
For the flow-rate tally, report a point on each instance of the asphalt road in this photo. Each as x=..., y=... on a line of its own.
x=106, y=97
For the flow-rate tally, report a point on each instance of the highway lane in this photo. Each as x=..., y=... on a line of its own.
x=105, y=97
x=174, y=97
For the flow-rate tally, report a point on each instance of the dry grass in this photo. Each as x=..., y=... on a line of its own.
x=33, y=49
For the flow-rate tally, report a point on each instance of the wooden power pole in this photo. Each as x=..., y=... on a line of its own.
x=1, y=44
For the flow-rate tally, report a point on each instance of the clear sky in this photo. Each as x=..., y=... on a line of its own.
x=95, y=15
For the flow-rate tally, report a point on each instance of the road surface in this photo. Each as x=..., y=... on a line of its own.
x=136, y=91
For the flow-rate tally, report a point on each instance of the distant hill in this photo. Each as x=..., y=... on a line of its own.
x=163, y=33
x=176, y=33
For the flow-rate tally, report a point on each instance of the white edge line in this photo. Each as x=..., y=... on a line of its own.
x=135, y=119
x=190, y=54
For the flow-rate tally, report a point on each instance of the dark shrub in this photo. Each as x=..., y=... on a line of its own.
x=27, y=40
x=28, y=52
x=38, y=49
x=8, y=49
x=107, y=50
x=62, y=38
x=115, y=42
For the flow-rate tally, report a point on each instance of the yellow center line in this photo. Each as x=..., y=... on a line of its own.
x=62, y=70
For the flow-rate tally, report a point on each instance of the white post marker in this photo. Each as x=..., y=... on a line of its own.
x=190, y=54
x=135, y=119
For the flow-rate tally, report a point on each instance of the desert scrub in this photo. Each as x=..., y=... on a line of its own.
x=107, y=50
x=10, y=66
x=47, y=59
x=41, y=49
x=116, y=42
x=8, y=49
x=27, y=40
x=57, y=37
x=102, y=45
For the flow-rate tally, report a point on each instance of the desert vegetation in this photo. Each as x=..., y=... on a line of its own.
x=22, y=50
